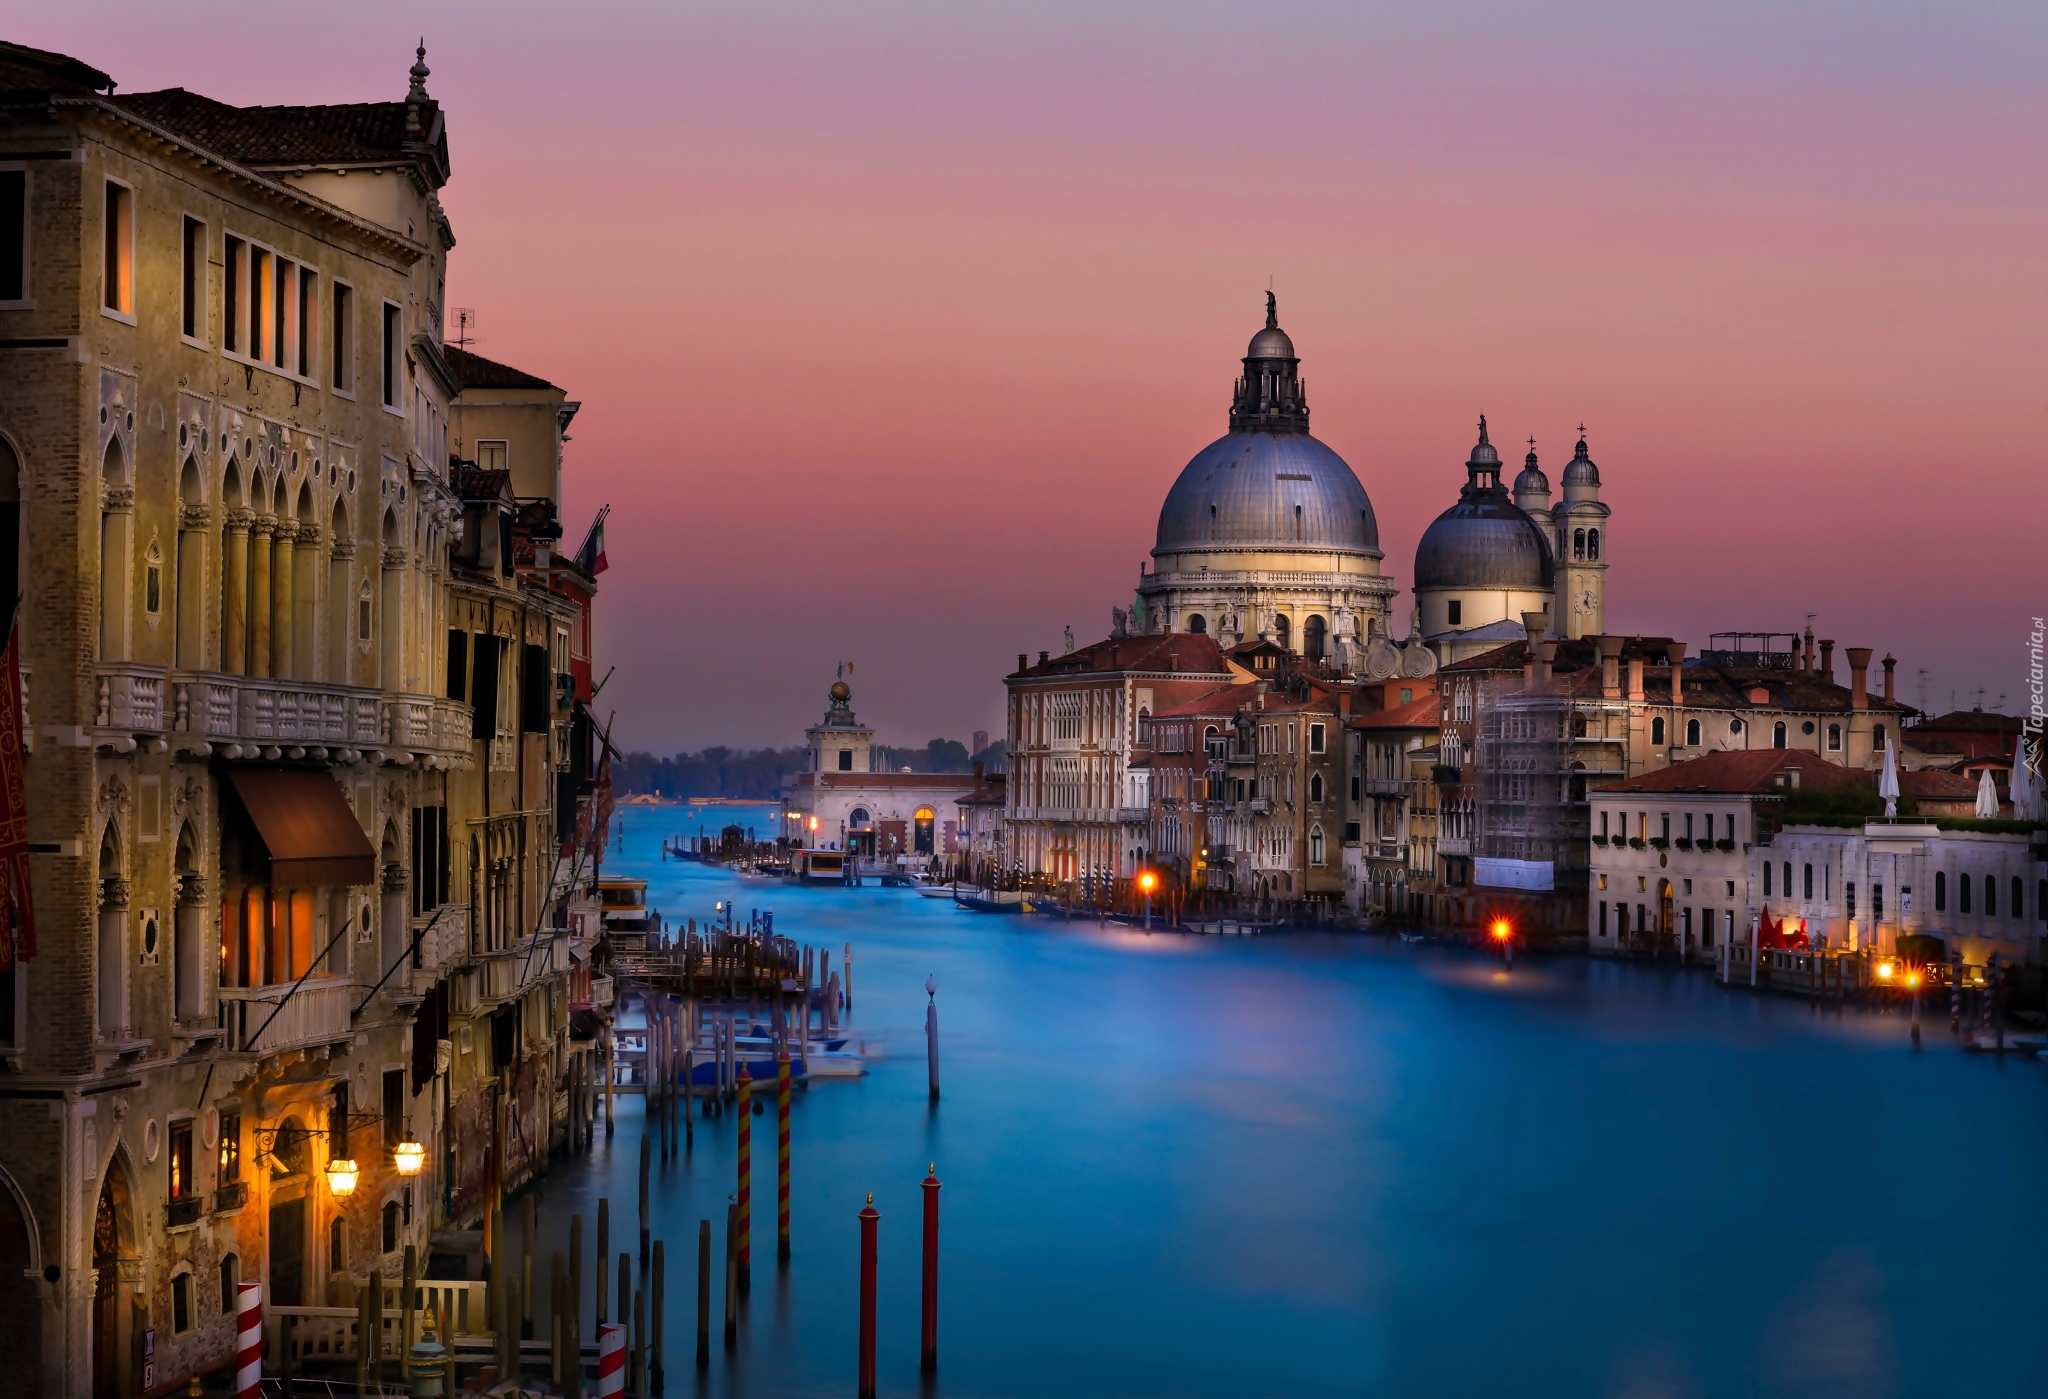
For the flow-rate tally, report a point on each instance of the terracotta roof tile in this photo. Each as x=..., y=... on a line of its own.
x=1193, y=654
x=476, y=372
x=1424, y=713
x=1754, y=772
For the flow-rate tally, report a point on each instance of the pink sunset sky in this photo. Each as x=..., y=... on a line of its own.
x=892, y=323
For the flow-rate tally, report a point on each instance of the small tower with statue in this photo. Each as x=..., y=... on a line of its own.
x=839, y=741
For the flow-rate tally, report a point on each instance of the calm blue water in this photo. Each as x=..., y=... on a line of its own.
x=1345, y=1165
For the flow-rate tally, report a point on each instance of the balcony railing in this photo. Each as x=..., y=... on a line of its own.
x=131, y=698
x=317, y=1014
x=232, y=1195
x=182, y=1211
x=1386, y=786
x=249, y=716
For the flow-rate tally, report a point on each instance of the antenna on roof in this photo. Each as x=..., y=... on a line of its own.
x=465, y=326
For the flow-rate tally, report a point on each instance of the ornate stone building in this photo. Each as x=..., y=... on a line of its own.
x=1267, y=533
x=265, y=938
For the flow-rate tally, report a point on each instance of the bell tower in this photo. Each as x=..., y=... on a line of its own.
x=1581, y=525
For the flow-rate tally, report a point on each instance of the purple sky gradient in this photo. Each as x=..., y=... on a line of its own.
x=892, y=323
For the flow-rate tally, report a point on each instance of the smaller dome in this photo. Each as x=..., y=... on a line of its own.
x=1532, y=480
x=1270, y=343
x=1581, y=472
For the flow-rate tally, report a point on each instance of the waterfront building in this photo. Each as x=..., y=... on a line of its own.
x=838, y=802
x=1391, y=868
x=1535, y=723
x=983, y=843
x=264, y=940
x=1267, y=532
x=1079, y=743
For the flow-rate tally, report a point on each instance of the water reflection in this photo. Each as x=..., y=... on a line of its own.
x=1348, y=1165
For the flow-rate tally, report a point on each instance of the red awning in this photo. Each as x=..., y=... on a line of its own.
x=313, y=837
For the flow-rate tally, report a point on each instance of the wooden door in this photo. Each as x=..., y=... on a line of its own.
x=287, y=1254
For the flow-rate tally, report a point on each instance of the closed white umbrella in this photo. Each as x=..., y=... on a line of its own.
x=1888, y=783
x=1987, y=796
x=2026, y=787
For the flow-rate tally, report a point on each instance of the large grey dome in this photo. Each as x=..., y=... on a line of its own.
x=1277, y=490
x=1485, y=540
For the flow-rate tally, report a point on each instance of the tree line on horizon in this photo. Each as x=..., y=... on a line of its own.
x=758, y=774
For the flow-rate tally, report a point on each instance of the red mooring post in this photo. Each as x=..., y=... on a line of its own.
x=249, y=1340
x=928, y=1350
x=869, y=1217
x=746, y=1170
x=782, y=1154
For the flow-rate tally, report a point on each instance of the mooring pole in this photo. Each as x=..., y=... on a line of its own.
x=602, y=1312
x=869, y=1217
x=928, y=1359
x=782, y=1154
x=703, y=1293
x=931, y=1034
x=746, y=1174
x=732, y=1272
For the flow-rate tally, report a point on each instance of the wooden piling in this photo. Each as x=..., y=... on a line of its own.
x=521, y=1316
x=575, y=1295
x=846, y=960
x=625, y=1288
x=640, y=1340
x=408, y=1329
x=557, y=1290
x=611, y=1074
x=703, y=1293
x=377, y=1327
x=928, y=1349
x=732, y=1269
x=363, y=1343
x=646, y=1154
x=604, y=1251
x=655, y=1294
x=745, y=1193
x=782, y=1154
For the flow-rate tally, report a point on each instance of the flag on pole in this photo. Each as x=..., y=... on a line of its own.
x=590, y=558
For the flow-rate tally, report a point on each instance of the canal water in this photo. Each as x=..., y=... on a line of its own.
x=1314, y=1165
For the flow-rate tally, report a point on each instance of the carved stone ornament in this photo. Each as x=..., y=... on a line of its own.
x=117, y=498
x=195, y=517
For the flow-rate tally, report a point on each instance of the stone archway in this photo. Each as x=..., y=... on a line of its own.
x=116, y=1333
x=21, y=1310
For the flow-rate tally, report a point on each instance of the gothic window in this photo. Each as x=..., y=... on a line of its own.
x=1315, y=845
x=1315, y=788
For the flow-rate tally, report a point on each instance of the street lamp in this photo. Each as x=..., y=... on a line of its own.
x=1148, y=881
x=341, y=1177
x=1913, y=983
x=408, y=1157
x=1504, y=934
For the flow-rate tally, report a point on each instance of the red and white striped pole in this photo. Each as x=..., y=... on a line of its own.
x=611, y=1361
x=248, y=1341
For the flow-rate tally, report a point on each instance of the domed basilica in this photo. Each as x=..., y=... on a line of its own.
x=1268, y=535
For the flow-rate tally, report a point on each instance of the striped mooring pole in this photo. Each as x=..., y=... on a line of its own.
x=249, y=1341
x=611, y=1360
x=782, y=1154
x=928, y=1348
x=746, y=1182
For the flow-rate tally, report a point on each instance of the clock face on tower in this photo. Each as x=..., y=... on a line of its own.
x=1588, y=600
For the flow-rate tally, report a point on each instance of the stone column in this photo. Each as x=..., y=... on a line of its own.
x=305, y=603
x=391, y=646
x=341, y=611
x=283, y=563
x=112, y=966
x=234, y=612
x=117, y=525
x=195, y=522
x=259, y=595
x=396, y=932
x=192, y=968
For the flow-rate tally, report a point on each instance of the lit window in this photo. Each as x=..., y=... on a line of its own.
x=117, y=281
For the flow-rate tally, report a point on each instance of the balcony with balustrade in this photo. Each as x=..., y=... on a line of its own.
x=268, y=1019
x=248, y=717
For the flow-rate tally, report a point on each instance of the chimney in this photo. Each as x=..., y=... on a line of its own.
x=1546, y=654
x=1889, y=662
x=1806, y=657
x=1635, y=676
x=1044, y=656
x=1021, y=659
x=1610, y=666
x=1859, y=676
x=1344, y=708
x=1675, y=653
x=979, y=768
x=1537, y=668
x=1827, y=661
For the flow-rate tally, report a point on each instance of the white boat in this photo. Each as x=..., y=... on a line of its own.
x=935, y=891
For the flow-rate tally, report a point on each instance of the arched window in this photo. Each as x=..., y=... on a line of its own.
x=1197, y=623
x=1315, y=845
x=858, y=819
x=1941, y=891
x=1592, y=544
x=1657, y=731
x=1280, y=630
x=1692, y=733
x=1962, y=893
x=1145, y=726
x=1315, y=788
x=1778, y=734
x=2019, y=896
x=1834, y=738
x=924, y=832
x=153, y=583
x=1578, y=544
x=117, y=518
x=1313, y=633
x=1990, y=895
x=1877, y=737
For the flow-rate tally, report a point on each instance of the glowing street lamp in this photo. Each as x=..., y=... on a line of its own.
x=341, y=1177
x=1504, y=934
x=1913, y=984
x=1147, y=882
x=408, y=1157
